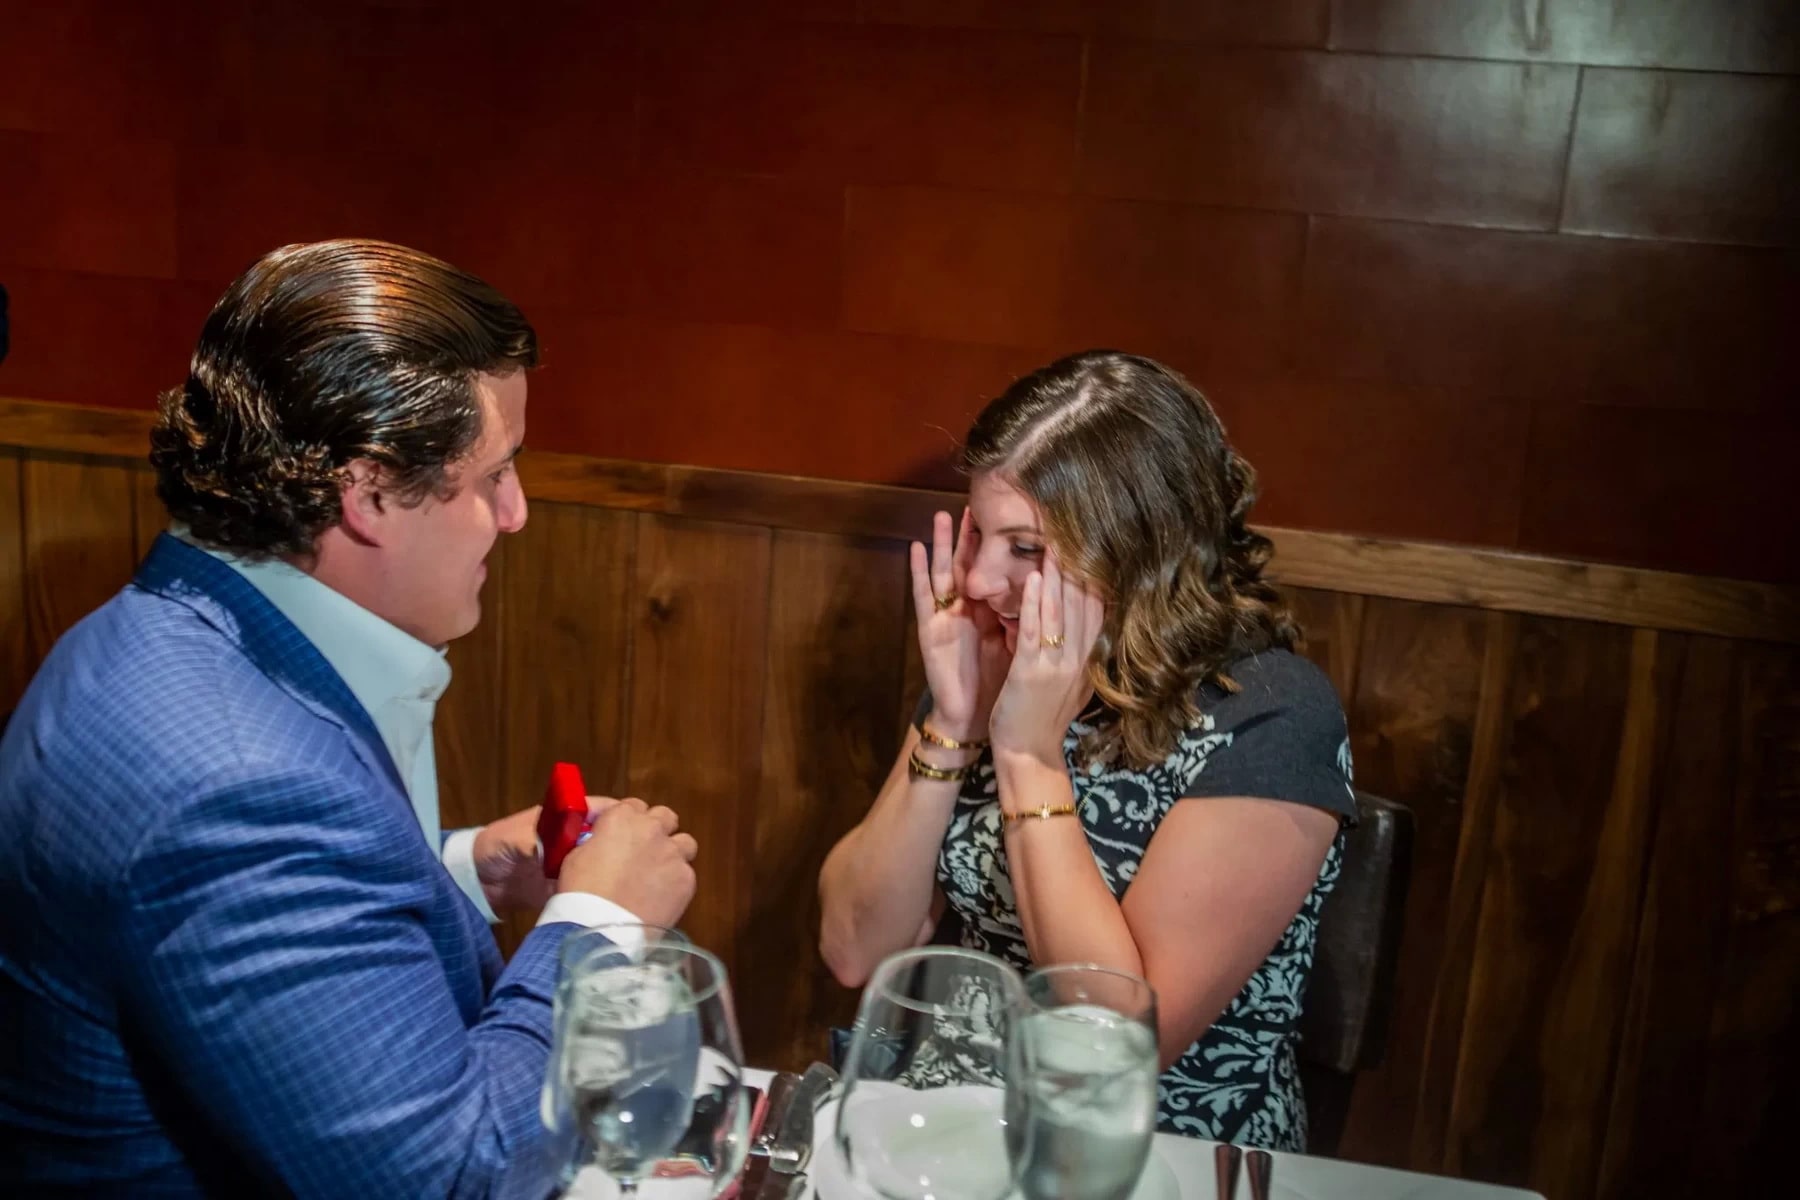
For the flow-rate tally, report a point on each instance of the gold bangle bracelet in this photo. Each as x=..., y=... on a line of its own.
x=1042, y=813
x=944, y=743
x=920, y=767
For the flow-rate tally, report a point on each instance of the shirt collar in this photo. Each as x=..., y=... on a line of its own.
x=379, y=662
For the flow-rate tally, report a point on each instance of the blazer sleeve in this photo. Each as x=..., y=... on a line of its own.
x=276, y=957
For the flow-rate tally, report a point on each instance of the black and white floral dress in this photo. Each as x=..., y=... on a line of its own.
x=1280, y=736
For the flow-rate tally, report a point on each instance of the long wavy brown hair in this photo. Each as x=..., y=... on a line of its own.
x=1142, y=497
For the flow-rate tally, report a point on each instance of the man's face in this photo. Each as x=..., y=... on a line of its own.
x=434, y=554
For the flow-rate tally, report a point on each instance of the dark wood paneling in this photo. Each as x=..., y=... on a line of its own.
x=699, y=646
x=960, y=266
x=1665, y=1047
x=15, y=659
x=78, y=542
x=835, y=626
x=566, y=584
x=1333, y=624
x=1443, y=1031
x=471, y=729
x=1270, y=22
x=1593, y=488
x=1673, y=154
x=1412, y=716
x=80, y=204
x=1294, y=431
x=1704, y=35
x=1199, y=288
x=1431, y=140
x=709, y=247
x=873, y=104
x=148, y=516
x=1559, y=909
x=100, y=339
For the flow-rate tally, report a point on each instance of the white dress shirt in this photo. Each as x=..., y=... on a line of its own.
x=398, y=680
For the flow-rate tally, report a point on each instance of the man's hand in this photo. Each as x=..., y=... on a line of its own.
x=635, y=858
x=507, y=862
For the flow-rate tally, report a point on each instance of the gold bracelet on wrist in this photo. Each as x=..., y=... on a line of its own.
x=944, y=743
x=1042, y=813
x=925, y=770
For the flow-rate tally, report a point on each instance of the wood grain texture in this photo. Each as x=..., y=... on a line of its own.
x=1442, y=1035
x=148, y=516
x=1559, y=909
x=78, y=543
x=699, y=641
x=1423, y=571
x=835, y=627
x=1412, y=716
x=1333, y=623
x=1686, y=920
x=470, y=732
x=565, y=628
x=15, y=661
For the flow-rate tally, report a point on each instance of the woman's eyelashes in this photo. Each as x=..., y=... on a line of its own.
x=1023, y=550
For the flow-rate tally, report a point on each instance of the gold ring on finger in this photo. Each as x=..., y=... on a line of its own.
x=1053, y=639
x=940, y=603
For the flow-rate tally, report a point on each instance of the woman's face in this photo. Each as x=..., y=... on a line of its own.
x=1009, y=546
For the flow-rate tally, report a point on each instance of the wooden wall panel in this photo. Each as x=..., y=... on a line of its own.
x=15, y=661
x=1597, y=979
x=565, y=599
x=78, y=542
x=1558, y=915
x=1686, y=920
x=470, y=733
x=148, y=516
x=836, y=620
x=1412, y=716
x=699, y=638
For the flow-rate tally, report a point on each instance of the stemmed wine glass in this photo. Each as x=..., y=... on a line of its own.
x=921, y=1114
x=646, y=1074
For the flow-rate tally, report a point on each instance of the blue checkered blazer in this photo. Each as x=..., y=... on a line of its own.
x=229, y=964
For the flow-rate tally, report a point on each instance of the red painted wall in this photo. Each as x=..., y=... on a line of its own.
x=1517, y=274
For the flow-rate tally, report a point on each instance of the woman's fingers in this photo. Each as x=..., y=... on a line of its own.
x=1030, y=619
x=921, y=584
x=966, y=542
x=943, y=564
x=1050, y=607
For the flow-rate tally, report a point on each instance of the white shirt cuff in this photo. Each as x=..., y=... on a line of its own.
x=585, y=908
x=459, y=860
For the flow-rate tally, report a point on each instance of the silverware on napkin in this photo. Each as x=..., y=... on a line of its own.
x=783, y=1148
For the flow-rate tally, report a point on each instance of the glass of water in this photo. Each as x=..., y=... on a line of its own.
x=921, y=1114
x=1081, y=1084
x=647, y=1070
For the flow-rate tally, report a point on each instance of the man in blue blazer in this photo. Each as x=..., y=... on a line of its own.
x=237, y=958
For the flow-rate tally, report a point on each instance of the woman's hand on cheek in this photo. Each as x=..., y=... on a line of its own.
x=1047, y=686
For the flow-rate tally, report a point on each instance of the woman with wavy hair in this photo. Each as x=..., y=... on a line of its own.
x=1119, y=758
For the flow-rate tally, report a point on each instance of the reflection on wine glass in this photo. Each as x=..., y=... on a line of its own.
x=1081, y=1084
x=921, y=1114
x=647, y=1071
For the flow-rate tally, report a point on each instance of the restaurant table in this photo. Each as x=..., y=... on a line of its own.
x=1180, y=1169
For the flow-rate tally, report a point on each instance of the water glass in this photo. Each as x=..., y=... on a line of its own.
x=921, y=1114
x=648, y=1069
x=1081, y=1084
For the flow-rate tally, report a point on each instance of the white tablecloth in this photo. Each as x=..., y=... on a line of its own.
x=1190, y=1165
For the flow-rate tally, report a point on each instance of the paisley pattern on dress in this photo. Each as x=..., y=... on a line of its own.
x=1240, y=1081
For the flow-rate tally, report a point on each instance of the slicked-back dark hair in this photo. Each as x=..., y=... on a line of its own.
x=319, y=355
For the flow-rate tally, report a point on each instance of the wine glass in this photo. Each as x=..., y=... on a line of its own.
x=921, y=1110
x=648, y=1070
x=1081, y=1083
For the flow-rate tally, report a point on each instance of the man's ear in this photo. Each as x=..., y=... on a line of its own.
x=366, y=506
